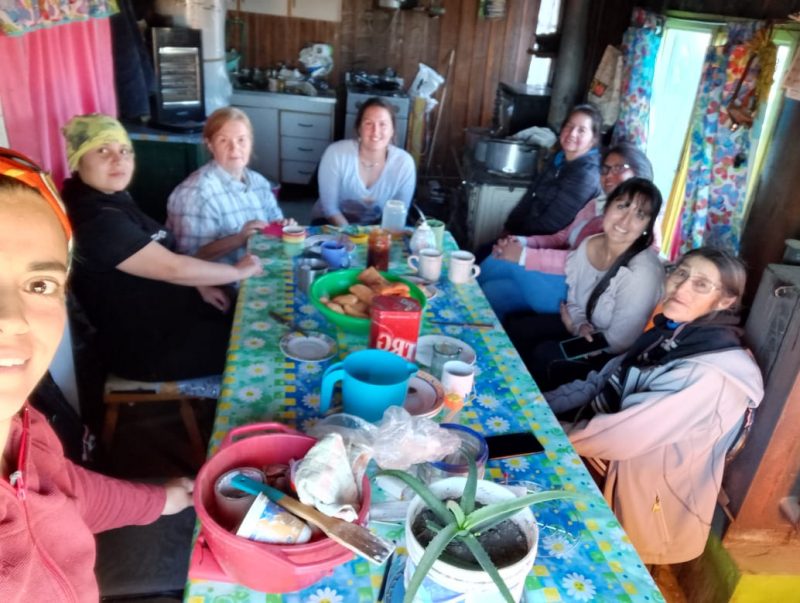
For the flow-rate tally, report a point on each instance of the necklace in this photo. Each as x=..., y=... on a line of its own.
x=368, y=166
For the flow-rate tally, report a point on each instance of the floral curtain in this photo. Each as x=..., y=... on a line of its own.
x=21, y=16
x=716, y=182
x=640, y=45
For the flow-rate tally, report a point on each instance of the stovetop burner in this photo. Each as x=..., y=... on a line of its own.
x=359, y=82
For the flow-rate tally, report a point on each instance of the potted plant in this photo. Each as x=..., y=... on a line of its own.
x=470, y=536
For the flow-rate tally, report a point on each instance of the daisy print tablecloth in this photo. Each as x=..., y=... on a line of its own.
x=583, y=553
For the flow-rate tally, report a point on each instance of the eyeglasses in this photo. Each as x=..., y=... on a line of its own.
x=699, y=284
x=617, y=168
x=21, y=168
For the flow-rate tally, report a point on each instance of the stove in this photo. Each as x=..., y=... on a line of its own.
x=363, y=86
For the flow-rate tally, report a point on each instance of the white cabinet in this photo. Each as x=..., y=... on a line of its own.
x=291, y=132
x=319, y=10
x=488, y=208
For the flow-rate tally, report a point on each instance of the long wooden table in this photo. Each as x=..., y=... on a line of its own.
x=584, y=555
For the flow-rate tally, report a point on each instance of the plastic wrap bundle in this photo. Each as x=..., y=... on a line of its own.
x=209, y=17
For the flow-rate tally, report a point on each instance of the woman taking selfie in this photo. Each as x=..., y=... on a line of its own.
x=665, y=414
x=50, y=508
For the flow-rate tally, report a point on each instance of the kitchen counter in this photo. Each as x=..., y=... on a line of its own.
x=328, y=96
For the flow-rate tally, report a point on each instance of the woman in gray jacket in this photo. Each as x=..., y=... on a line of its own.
x=664, y=414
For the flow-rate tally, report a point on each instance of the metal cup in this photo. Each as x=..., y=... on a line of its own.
x=307, y=271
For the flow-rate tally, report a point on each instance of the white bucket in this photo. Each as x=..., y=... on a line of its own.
x=446, y=583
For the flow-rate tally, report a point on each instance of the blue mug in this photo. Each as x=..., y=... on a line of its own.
x=372, y=381
x=335, y=253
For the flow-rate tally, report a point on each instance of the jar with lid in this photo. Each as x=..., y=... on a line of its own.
x=378, y=248
x=394, y=216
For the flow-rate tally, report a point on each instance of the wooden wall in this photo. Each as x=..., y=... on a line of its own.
x=487, y=51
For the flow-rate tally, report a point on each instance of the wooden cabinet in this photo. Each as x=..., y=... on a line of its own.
x=318, y=10
x=291, y=132
x=488, y=208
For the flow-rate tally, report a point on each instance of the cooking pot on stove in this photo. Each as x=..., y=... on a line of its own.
x=510, y=157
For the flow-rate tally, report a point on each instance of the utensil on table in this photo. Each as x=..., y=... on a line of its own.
x=477, y=325
x=360, y=540
x=285, y=321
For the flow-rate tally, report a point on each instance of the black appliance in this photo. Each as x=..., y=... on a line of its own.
x=178, y=56
x=520, y=106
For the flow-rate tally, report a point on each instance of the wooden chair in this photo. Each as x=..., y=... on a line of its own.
x=118, y=391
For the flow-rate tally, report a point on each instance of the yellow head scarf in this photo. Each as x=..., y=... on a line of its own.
x=87, y=132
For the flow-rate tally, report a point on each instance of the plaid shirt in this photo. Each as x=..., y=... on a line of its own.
x=211, y=204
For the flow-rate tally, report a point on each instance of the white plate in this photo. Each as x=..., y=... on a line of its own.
x=428, y=288
x=425, y=349
x=425, y=395
x=314, y=347
x=314, y=242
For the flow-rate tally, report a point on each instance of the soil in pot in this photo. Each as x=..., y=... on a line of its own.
x=505, y=543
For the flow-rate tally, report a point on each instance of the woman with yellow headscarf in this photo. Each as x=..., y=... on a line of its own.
x=158, y=314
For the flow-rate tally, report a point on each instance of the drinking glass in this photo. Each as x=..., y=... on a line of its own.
x=443, y=352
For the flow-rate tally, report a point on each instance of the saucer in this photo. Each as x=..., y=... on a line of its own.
x=314, y=242
x=314, y=347
x=428, y=288
x=425, y=396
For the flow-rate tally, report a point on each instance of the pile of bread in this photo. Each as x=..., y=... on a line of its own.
x=358, y=302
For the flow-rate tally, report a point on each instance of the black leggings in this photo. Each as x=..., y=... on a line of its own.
x=537, y=338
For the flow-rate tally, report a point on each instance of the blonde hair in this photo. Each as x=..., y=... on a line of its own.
x=220, y=117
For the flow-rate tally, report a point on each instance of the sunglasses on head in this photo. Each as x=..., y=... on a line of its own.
x=19, y=167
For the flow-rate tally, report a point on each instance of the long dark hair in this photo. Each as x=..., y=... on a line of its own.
x=593, y=113
x=375, y=101
x=631, y=190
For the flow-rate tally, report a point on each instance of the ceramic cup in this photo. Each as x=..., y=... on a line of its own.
x=428, y=264
x=293, y=239
x=462, y=267
x=335, y=253
x=458, y=378
x=372, y=381
x=232, y=503
x=307, y=271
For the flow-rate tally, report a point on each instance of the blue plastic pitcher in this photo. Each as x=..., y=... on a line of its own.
x=372, y=381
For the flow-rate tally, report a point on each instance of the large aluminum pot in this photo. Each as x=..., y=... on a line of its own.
x=510, y=157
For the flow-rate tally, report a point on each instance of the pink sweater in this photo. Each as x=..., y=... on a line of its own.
x=49, y=516
x=548, y=253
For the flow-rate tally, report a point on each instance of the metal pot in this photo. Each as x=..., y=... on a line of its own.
x=510, y=157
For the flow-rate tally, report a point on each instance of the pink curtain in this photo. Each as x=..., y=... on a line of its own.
x=48, y=76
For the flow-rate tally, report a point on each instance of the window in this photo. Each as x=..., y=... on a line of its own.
x=677, y=75
x=548, y=22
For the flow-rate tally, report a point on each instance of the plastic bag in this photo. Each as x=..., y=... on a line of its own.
x=426, y=83
x=398, y=441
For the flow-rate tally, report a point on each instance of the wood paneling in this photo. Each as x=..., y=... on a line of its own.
x=487, y=51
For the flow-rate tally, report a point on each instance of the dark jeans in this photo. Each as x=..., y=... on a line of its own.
x=537, y=338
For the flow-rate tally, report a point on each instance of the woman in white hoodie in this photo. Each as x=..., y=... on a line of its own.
x=665, y=413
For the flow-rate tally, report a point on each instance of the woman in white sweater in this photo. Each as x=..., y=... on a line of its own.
x=614, y=282
x=357, y=177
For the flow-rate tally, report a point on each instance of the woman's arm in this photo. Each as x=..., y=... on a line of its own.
x=156, y=262
x=222, y=247
x=676, y=403
x=329, y=177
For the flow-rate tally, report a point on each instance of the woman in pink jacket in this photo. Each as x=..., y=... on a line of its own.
x=49, y=508
x=526, y=274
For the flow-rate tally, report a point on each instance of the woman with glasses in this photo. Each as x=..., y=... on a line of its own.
x=50, y=508
x=159, y=315
x=664, y=414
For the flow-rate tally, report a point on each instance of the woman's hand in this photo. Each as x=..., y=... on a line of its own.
x=250, y=228
x=179, y=495
x=509, y=249
x=216, y=297
x=566, y=318
x=248, y=266
x=287, y=222
x=586, y=331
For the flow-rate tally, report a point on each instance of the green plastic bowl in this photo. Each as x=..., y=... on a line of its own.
x=339, y=283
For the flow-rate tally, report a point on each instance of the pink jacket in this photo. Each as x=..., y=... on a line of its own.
x=548, y=253
x=49, y=513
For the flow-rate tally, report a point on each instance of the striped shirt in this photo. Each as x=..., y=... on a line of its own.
x=211, y=204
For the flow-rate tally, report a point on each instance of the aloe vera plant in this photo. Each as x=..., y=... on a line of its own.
x=464, y=522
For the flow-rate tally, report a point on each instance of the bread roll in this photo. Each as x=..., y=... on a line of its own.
x=335, y=307
x=363, y=293
x=345, y=300
x=351, y=310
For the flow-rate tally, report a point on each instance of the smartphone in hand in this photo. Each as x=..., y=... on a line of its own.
x=513, y=444
x=579, y=347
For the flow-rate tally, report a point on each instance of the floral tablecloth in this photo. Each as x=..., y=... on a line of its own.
x=583, y=553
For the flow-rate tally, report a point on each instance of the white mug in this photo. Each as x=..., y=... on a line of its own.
x=428, y=264
x=458, y=378
x=462, y=267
